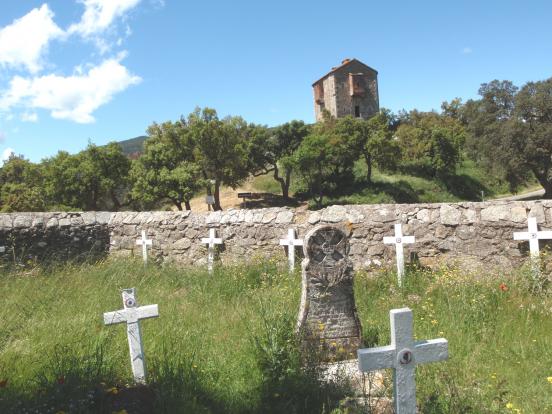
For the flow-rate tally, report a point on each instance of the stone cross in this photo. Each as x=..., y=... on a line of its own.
x=402, y=356
x=328, y=317
x=145, y=243
x=291, y=242
x=131, y=314
x=211, y=241
x=533, y=235
x=398, y=240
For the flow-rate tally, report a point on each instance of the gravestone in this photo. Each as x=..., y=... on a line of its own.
x=328, y=318
x=402, y=356
x=399, y=240
x=2, y=249
x=291, y=242
x=144, y=242
x=211, y=241
x=533, y=235
x=132, y=314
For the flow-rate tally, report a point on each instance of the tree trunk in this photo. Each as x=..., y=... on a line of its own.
x=217, y=206
x=187, y=204
x=178, y=205
x=368, y=160
x=284, y=184
x=115, y=200
x=542, y=177
x=285, y=188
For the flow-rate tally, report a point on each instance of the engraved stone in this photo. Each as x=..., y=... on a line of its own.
x=328, y=318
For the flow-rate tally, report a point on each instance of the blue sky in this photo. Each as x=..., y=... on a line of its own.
x=102, y=70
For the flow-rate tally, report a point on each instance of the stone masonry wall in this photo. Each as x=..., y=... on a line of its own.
x=470, y=234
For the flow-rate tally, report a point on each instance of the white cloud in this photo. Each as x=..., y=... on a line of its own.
x=29, y=117
x=6, y=154
x=467, y=50
x=23, y=42
x=73, y=97
x=99, y=15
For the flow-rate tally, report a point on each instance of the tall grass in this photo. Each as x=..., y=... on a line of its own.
x=225, y=343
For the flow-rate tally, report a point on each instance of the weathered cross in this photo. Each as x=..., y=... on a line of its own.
x=131, y=314
x=211, y=241
x=533, y=235
x=291, y=242
x=145, y=242
x=403, y=355
x=398, y=239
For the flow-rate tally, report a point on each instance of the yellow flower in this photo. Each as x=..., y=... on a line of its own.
x=321, y=326
x=509, y=406
x=493, y=375
x=112, y=390
x=549, y=379
x=434, y=322
x=441, y=333
x=123, y=411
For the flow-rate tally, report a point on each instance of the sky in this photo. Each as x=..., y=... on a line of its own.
x=80, y=71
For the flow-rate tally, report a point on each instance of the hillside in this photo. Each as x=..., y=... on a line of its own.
x=133, y=145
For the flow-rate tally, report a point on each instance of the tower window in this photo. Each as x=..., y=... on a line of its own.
x=357, y=111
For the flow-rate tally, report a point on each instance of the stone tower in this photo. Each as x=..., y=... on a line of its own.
x=349, y=89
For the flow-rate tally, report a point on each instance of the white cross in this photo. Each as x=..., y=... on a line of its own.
x=403, y=355
x=211, y=240
x=533, y=235
x=144, y=242
x=291, y=242
x=399, y=240
x=131, y=314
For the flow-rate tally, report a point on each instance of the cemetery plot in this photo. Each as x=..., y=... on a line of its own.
x=227, y=344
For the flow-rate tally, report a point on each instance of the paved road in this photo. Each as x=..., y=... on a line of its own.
x=532, y=195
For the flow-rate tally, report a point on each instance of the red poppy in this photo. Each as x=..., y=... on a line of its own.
x=3, y=383
x=61, y=380
x=503, y=287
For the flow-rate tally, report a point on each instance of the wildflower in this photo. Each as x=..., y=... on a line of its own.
x=321, y=326
x=441, y=333
x=61, y=380
x=549, y=379
x=112, y=390
x=434, y=322
x=503, y=287
x=509, y=406
x=3, y=383
x=493, y=375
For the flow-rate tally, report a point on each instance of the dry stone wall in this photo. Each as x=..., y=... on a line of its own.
x=470, y=234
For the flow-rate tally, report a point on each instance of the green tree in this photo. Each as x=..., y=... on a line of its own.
x=272, y=150
x=221, y=148
x=21, y=186
x=166, y=169
x=431, y=141
x=313, y=162
x=93, y=179
x=510, y=129
x=373, y=139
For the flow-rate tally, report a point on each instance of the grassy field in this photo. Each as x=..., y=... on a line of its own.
x=226, y=344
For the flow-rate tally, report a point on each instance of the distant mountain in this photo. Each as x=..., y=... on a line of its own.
x=133, y=147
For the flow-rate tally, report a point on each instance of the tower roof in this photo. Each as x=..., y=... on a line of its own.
x=344, y=63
